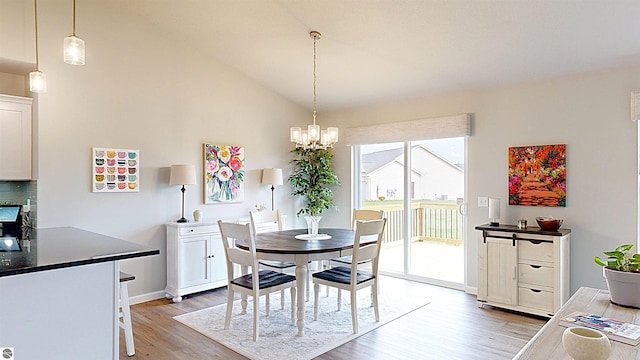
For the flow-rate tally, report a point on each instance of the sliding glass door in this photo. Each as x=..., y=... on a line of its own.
x=420, y=187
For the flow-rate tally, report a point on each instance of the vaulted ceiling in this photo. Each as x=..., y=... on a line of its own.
x=376, y=51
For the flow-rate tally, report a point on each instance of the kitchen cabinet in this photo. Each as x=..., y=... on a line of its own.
x=195, y=259
x=525, y=270
x=15, y=138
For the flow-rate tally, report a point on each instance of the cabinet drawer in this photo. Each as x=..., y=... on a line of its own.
x=197, y=230
x=537, y=299
x=535, y=274
x=536, y=250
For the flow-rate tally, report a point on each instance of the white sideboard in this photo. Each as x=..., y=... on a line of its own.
x=195, y=259
x=525, y=270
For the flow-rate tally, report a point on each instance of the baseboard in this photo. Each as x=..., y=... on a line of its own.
x=471, y=290
x=146, y=297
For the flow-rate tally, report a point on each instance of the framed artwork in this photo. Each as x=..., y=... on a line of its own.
x=538, y=175
x=223, y=174
x=115, y=170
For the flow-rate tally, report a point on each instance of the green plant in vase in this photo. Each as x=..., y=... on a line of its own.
x=312, y=178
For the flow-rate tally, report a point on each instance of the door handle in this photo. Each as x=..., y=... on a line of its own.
x=462, y=208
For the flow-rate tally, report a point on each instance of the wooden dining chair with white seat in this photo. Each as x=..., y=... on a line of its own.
x=270, y=220
x=366, y=246
x=257, y=282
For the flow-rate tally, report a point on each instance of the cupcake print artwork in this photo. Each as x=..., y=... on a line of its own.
x=115, y=170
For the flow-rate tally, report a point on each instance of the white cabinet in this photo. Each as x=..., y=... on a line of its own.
x=525, y=270
x=15, y=138
x=195, y=259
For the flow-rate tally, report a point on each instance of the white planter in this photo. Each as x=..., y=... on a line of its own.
x=623, y=286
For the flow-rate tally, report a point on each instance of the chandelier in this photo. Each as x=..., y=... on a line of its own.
x=313, y=137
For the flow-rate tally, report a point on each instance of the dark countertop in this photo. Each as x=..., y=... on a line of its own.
x=527, y=230
x=55, y=248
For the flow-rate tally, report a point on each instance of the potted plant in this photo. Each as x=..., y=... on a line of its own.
x=312, y=178
x=622, y=273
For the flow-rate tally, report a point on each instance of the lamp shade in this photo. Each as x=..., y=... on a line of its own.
x=272, y=176
x=183, y=175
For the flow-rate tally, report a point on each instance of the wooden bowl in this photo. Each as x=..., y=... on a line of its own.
x=549, y=224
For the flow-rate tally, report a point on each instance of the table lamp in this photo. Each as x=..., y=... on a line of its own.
x=273, y=177
x=182, y=175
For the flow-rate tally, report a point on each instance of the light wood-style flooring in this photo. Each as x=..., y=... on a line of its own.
x=450, y=327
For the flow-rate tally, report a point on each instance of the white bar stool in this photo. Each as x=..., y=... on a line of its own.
x=125, y=312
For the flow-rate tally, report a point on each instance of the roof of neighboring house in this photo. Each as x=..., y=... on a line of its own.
x=375, y=160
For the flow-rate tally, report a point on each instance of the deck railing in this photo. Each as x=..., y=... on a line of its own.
x=430, y=221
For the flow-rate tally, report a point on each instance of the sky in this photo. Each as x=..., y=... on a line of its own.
x=451, y=149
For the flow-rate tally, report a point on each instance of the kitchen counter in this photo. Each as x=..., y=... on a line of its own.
x=60, y=290
x=55, y=248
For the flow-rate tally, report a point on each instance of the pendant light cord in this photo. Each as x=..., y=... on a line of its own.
x=74, y=18
x=35, y=11
x=315, y=39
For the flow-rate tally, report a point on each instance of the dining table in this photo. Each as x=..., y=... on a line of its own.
x=296, y=246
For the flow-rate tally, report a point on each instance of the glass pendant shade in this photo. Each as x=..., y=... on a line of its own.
x=314, y=132
x=73, y=50
x=332, y=132
x=296, y=132
x=37, y=81
x=324, y=138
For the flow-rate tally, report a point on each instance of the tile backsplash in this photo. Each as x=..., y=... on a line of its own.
x=17, y=192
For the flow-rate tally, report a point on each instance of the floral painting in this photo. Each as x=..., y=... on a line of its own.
x=537, y=175
x=223, y=174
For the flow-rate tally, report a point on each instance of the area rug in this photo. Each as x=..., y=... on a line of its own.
x=277, y=336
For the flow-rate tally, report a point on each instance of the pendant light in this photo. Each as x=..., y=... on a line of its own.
x=37, y=79
x=73, y=45
x=313, y=137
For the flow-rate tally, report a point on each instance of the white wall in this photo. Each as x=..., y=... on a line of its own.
x=142, y=90
x=588, y=112
x=137, y=91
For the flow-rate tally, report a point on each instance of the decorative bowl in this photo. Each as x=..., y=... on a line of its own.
x=548, y=223
x=586, y=344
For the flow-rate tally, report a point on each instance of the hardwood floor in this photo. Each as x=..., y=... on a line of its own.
x=450, y=327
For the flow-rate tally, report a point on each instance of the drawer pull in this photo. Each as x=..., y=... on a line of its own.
x=191, y=230
x=535, y=290
x=535, y=266
x=536, y=242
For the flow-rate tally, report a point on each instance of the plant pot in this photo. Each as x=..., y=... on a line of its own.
x=624, y=287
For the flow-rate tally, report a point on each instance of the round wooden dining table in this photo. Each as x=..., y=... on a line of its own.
x=284, y=246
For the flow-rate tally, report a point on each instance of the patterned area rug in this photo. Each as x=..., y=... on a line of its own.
x=277, y=336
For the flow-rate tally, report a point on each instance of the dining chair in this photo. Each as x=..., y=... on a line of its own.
x=257, y=282
x=350, y=278
x=270, y=220
x=357, y=215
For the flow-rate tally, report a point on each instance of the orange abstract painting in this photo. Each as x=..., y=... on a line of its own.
x=537, y=175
